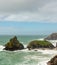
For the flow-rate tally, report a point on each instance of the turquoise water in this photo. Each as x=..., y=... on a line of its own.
x=22, y=57
x=25, y=39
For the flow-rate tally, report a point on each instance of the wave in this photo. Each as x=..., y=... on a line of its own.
x=43, y=63
x=53, y=42
x=41, y=39
x=1, y=47
x=25, y=46
x=48, y=51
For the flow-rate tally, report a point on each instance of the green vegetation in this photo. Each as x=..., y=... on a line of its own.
x=39, y=44
x=46, y=43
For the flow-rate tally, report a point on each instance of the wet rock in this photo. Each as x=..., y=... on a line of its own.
x=53, y=36
x=53, y=61
x=13, y=44
x=39, y=44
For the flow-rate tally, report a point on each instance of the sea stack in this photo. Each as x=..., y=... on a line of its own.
x=13, y=44
x=53, y=36
x=39, y=44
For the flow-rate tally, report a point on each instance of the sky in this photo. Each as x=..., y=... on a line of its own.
x=28, y=17
x=27, y=28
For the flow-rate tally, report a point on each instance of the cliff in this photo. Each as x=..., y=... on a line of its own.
x=53, y=36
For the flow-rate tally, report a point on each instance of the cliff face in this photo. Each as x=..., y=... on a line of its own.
x=53, y=36
x=13, y=44
x=53, y=61
x=39, y=44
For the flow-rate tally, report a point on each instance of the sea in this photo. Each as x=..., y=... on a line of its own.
x=25, y=56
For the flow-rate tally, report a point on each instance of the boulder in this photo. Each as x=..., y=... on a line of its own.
x=13, y=44
x=39, y=44
x=53, y=36
x=53, y=61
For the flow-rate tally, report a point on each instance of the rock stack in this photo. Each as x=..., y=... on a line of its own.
x=39, y=44
x=13, y=44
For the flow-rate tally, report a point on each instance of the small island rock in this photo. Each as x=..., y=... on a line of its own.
x=13, y=44
x=39, y=44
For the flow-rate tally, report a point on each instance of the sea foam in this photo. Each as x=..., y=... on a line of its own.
x=1, y=48
x=48, y=51
x=43, y=63
x=53, y=42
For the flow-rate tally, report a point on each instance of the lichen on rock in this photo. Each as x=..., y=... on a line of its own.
x=39, y=44
x=13, y=44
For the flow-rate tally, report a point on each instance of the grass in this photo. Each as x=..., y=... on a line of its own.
x=38, y=42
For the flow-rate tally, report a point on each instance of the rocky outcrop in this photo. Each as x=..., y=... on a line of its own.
x=39, y=44
x=13, y=44
x=53, y=36
x=53, y=61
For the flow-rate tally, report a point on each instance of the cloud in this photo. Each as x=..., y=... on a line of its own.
x=16, y=6
x=28, y=10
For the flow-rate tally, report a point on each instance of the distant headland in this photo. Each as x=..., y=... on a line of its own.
x=52, y=36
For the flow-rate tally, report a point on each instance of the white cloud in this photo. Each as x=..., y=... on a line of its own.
x=28, y=10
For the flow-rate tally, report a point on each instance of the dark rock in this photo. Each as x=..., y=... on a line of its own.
x=53, y=36
x=56, y=44
x=39, y=44
x=53, y=61
x=13, y=44
x=35, y=50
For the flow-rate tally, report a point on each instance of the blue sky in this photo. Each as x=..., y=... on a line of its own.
x=27, y=28
x=28, y=17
